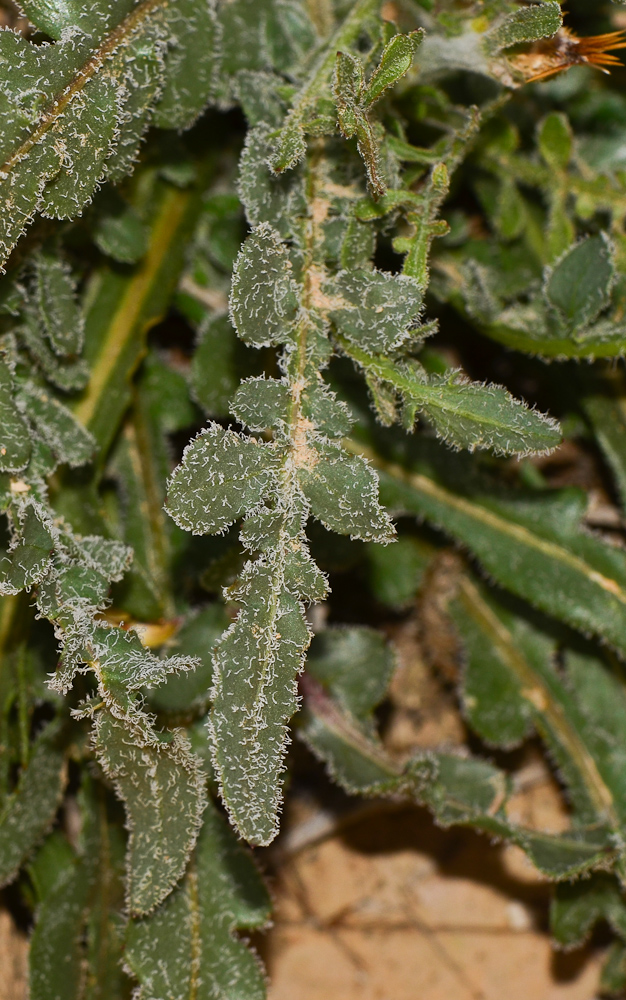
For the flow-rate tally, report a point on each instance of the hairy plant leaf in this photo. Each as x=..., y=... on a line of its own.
x=68, y=439
x=533, y=546
x=578, y=286
x=221, y=477
x=191, y=64
x=160, y=784
x=254, y=696
x=343, y=493
x=193, y=930
x=29, y=554
x=263, y=302
x=396, y=60
x=380, y=308
x=15, y=444
x=56, y=302
x=29, y=810
x=530, y=24
x=355, y=664
x=58, y=931
x=577, y=907
x=459, y=790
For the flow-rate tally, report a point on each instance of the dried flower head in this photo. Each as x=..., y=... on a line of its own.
x=566, y=49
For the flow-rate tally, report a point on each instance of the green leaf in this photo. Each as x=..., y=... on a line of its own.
x=254, y=696
x=56, y=302
x=260, y=403
x=221, y=477
x=193, y=931
x=58, y=931
x=343, y=493
x=530, y=24
x=118, y=230
x=555, y=140
x=160, y=783
x=577, y=907
x=396, y=60
x=348, y=81
x=191, y=64
x=58, y=427
x=458, y=790
x=29, y=554
x=510, y=682
x=214, y=365
x=263, y=302
x=380, y=308
x=15, y=444
x=579, y=284
x=465, y=414
x=396, y=572
x=355, y=665
x=613, y=979
x=477, y=415
x=265, y=197
x=29, y=810
x=531, y=545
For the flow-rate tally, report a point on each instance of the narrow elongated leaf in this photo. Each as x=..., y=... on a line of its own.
x=396, y=60
x=534, y=547
x=510, y=683
x=58, y=427
x=193, y=930
x=56, y=302
x=161, y=786
x=14, y=438
x=459, y=790
x=58, y=931
x=254, y=696
x=28, y=812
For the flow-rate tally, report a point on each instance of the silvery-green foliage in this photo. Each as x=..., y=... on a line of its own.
x=108, y=69
x=121, y=540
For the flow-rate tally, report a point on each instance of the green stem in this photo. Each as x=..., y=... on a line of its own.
x=316, y=84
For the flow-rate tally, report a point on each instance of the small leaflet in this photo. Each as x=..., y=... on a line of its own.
x=343, y=492
x=30, y=809
x=579, y=285
x=55, y=295
x=221, y=477
x=263, y=301
x=15, y=444
x=380, y=308
x=70, y=441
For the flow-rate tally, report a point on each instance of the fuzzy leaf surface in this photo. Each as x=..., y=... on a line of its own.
x=193, y=930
